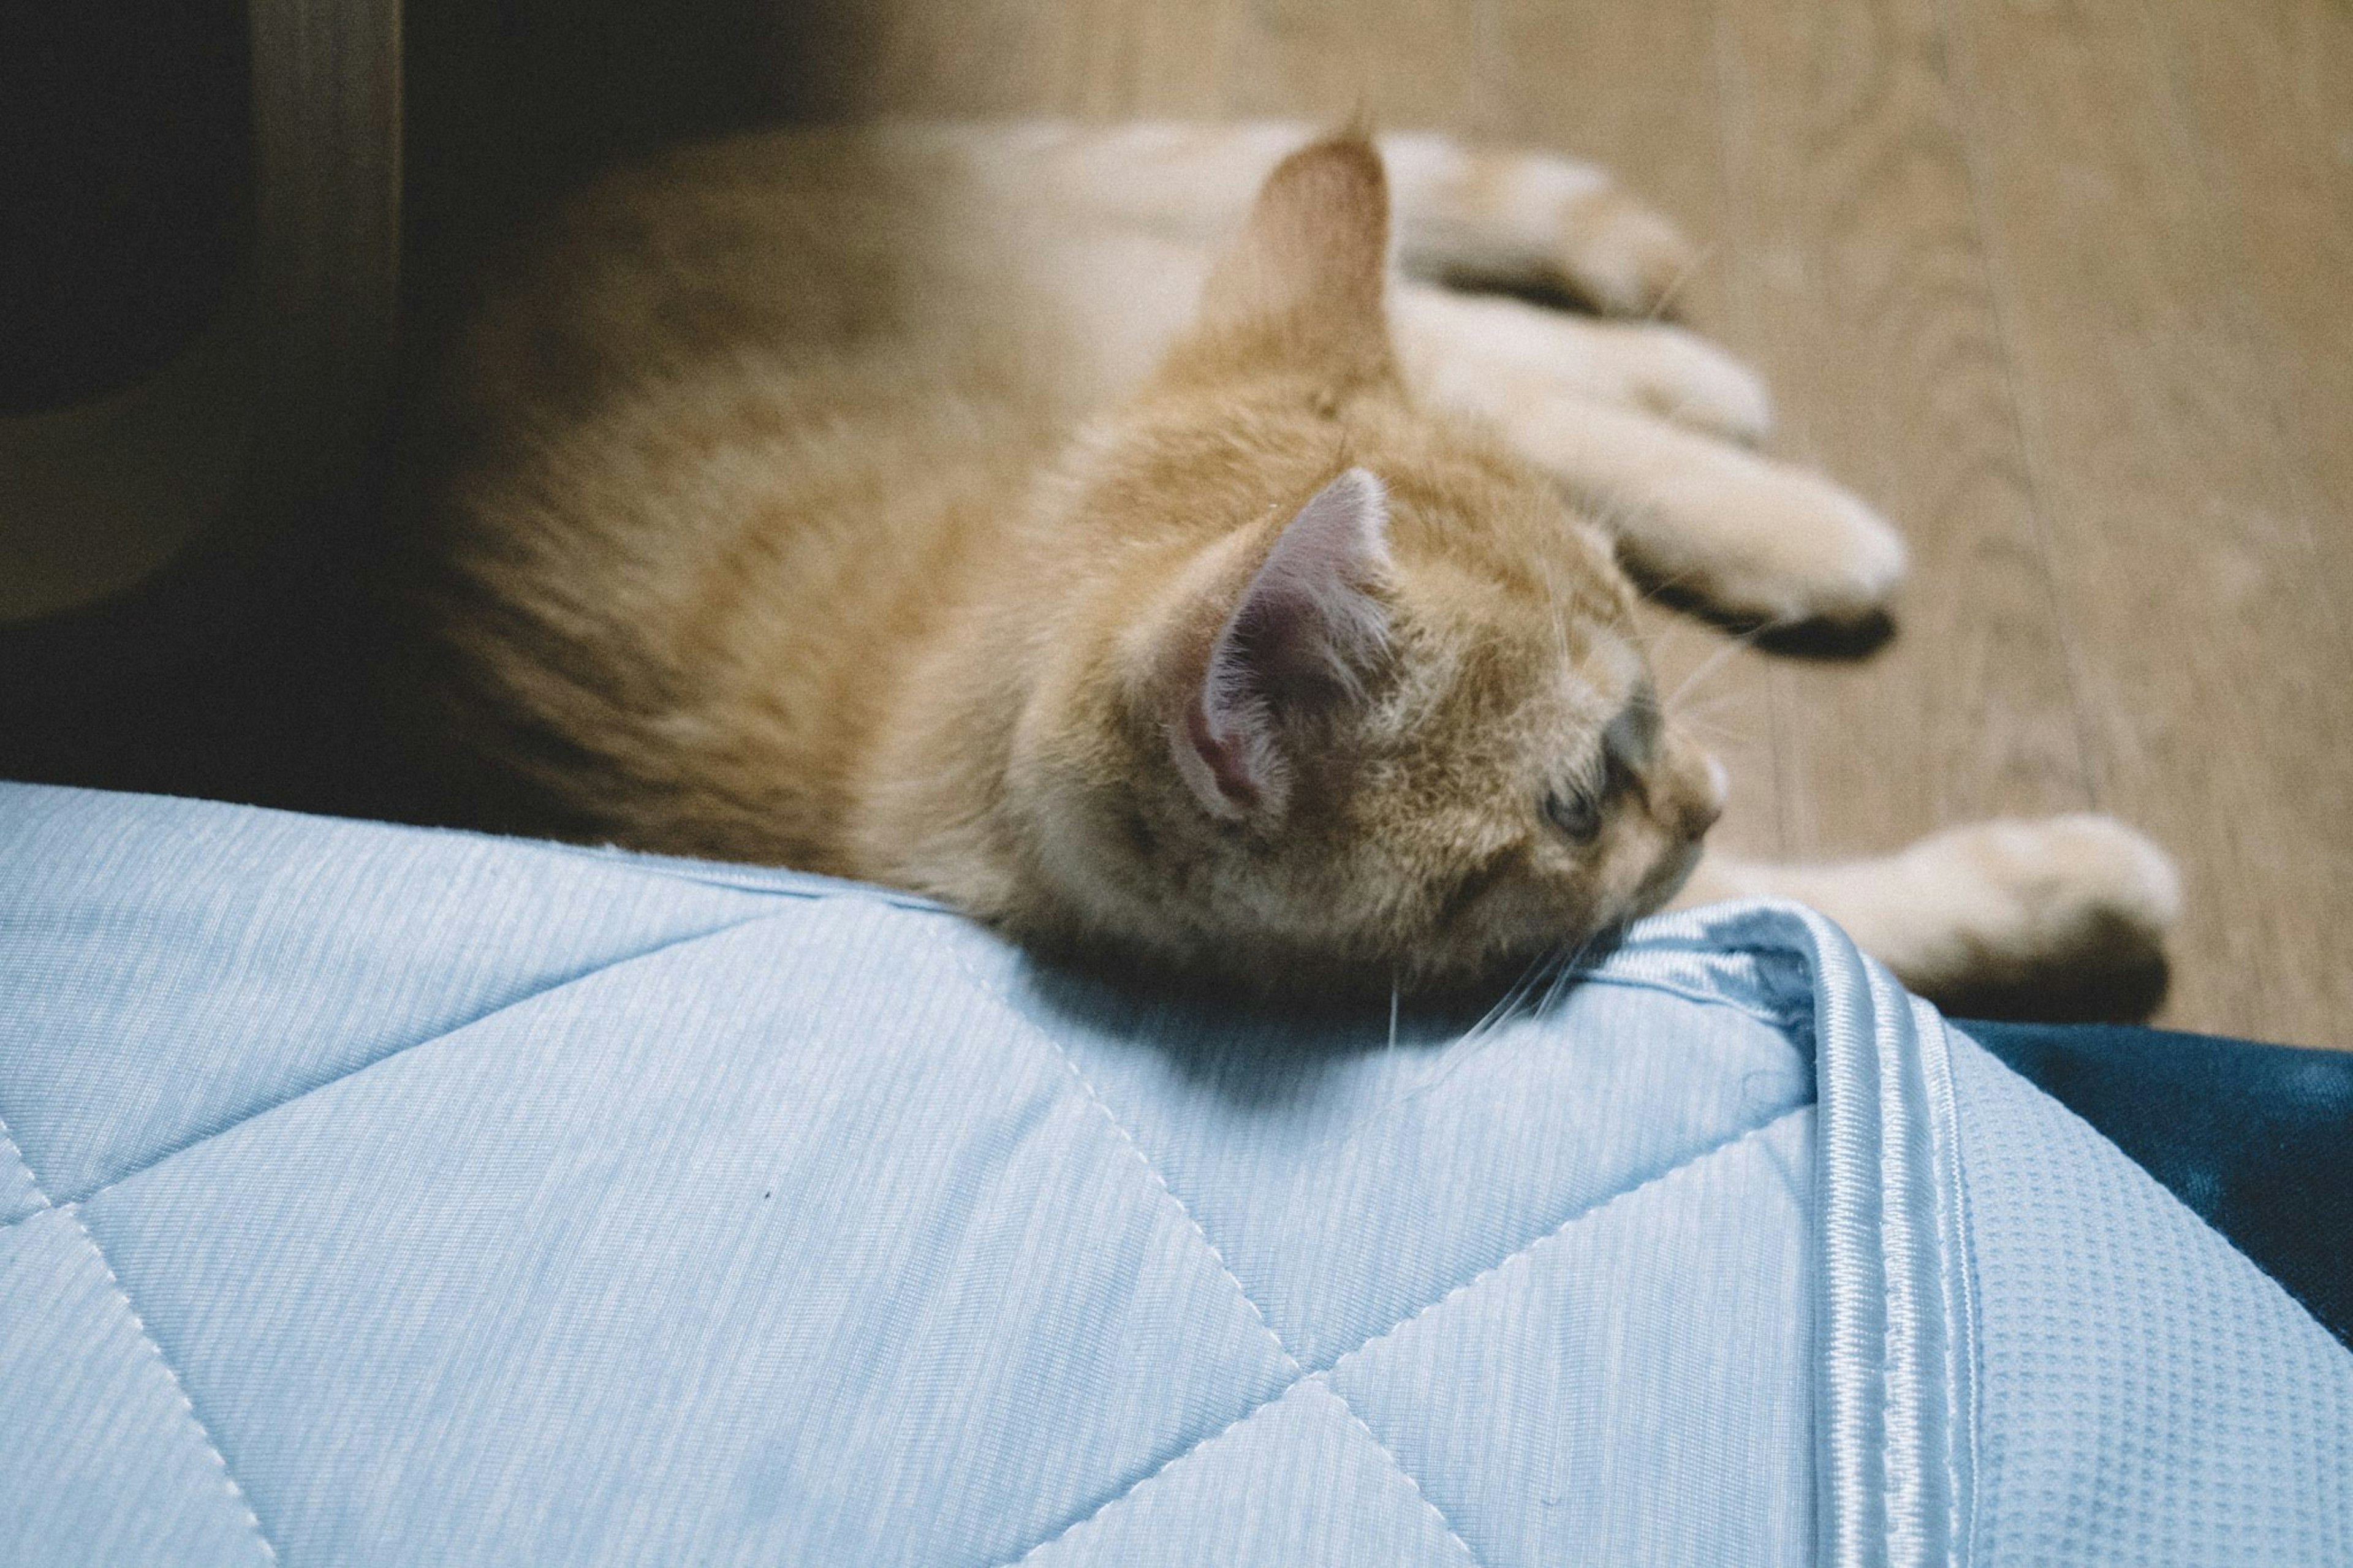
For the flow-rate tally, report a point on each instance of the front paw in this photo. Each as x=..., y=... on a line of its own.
x=1757, y=543
x=1623, y=257
x=2034, y=908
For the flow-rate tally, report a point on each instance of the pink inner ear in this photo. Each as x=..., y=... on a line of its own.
x=1303, y=630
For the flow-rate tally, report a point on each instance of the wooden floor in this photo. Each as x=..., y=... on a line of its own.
x=2065, y=286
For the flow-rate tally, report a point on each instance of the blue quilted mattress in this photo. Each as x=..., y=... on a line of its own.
x=375, y=1196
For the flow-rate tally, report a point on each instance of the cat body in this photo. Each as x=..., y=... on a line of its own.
x=1025, y=516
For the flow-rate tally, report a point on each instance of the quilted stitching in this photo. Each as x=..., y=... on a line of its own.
x=330, y=1082
x=16, y=1182
x=1152, y=1172
x=171, y=1374
x=1298, y=1373
x=1294, y=1138
x=1398, y=1465
x=1533, y=1408
x=1114, y=1501
x=1849, y=1026
x=1323, y=1375
x=152, y=1227
x=8, y=1145
x=1319, y=1382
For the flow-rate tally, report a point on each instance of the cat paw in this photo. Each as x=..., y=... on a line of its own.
x=1761, y=544
x=2082, y=873
x=2033, y=904
x=1682, y=376
x=1488, y=218
x=1620, y=256
x=1485, y=354
x=1816, y=556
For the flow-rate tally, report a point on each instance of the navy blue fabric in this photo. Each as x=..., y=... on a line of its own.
x=2258, y=1139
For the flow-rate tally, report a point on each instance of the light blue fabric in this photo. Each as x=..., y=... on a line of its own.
x=373, y=1195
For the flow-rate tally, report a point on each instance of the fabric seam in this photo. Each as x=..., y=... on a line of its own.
x=1398, y=1464
x=212, y=1448
x=1971, y=1298
x=8, y=1141
x=259, y=1112
x=1153, y=1171
x=1173, y=1462
x=1324, y=1374
x=1779, y=1023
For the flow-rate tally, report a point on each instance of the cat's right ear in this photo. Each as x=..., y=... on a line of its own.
x=1305, y=631
x=1306, y=279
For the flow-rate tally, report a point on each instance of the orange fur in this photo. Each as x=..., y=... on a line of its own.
x=903, y=502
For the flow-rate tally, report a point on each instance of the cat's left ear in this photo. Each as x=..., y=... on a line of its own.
x=1305, y=632
x=1304, y=283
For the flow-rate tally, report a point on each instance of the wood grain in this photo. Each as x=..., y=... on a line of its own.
x=2060, y=285
x=1642, y=99
x=2266, y=93
x=2211, y=666
x=1861, y=268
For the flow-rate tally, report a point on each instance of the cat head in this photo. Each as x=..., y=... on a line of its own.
x=1357, y=697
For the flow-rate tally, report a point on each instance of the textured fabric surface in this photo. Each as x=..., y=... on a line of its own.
x=2257, y=1139
x=376, y=1195
x=2149, y=1396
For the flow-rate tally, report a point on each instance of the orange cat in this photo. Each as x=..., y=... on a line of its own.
x=1018, y=515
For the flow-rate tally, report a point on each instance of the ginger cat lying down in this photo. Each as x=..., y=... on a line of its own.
x=1019, y=515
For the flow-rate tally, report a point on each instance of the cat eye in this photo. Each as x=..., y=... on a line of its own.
x=1575, y=813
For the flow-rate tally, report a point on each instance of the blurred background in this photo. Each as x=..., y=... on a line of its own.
x=2060, y=285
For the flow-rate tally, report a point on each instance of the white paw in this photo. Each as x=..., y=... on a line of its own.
x=1623, y=257
x=1871, y=561
x=1689, y=379
x=2088, y=872
x=1794, y=549
x=2083, y=892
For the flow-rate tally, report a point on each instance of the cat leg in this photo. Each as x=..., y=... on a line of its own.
x=1481, y=354
x=1990, y=910
x=1462, y=215
x=1631, y=419
x=1625, y=413
x=1481, y=218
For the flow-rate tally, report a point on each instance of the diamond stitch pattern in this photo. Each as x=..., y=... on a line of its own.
x=101, y=1458
x=1621, y=1471
x=1283, y=1136
x=496, y=1202
x=1301, y=1483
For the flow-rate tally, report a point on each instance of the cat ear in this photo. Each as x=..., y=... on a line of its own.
x=1304, y=631
x=1305, y=277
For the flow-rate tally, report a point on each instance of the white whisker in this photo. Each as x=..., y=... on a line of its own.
x=1713, y=662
